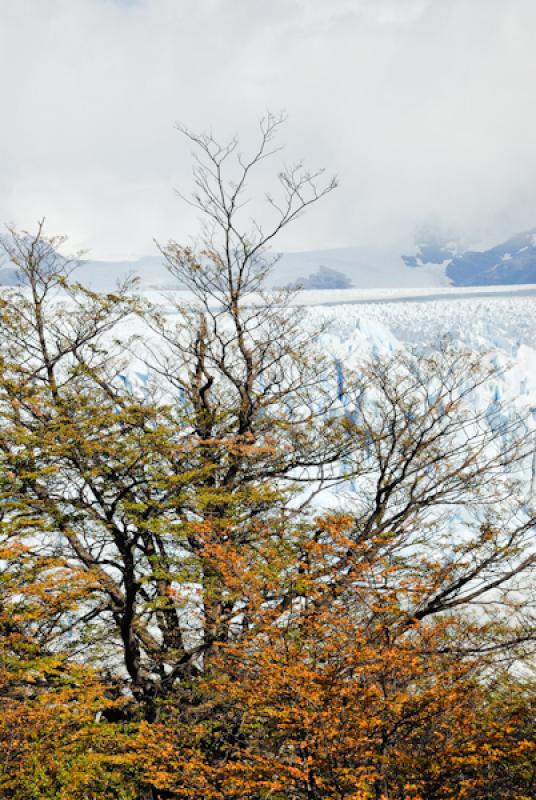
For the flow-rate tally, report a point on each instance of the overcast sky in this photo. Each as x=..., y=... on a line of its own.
x=424, y=108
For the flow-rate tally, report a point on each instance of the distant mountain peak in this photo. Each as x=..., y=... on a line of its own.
x=511, y=262
x=433, y=245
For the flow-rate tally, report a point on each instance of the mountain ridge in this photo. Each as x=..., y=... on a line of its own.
x=436, y=262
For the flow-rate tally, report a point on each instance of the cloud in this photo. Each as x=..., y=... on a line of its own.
x=422, y=107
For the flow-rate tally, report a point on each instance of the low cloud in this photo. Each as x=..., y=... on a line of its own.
x=422, y=107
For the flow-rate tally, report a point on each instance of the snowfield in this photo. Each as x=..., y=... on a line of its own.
x=499, y=323
x=497, y=320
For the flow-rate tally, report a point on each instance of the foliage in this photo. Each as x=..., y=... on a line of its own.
x=179, y=616
x=56, y=737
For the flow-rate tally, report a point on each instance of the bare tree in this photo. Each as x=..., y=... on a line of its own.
x=239, y=354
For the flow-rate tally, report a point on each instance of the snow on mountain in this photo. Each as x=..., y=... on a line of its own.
x=511, y=262
x=438, y=261
x=357, y=266
x=433, y=245
x=365, y=267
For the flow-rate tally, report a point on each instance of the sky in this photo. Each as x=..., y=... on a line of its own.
x=423, y=108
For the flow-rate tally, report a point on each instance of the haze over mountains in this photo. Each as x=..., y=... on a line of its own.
x=437, y=260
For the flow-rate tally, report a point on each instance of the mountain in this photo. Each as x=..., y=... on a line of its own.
x=377, y=267
x=362, y=267
x=326, y=278
x=513, y=261
x=104, y=275
x=438, y=260
x=434, y=245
